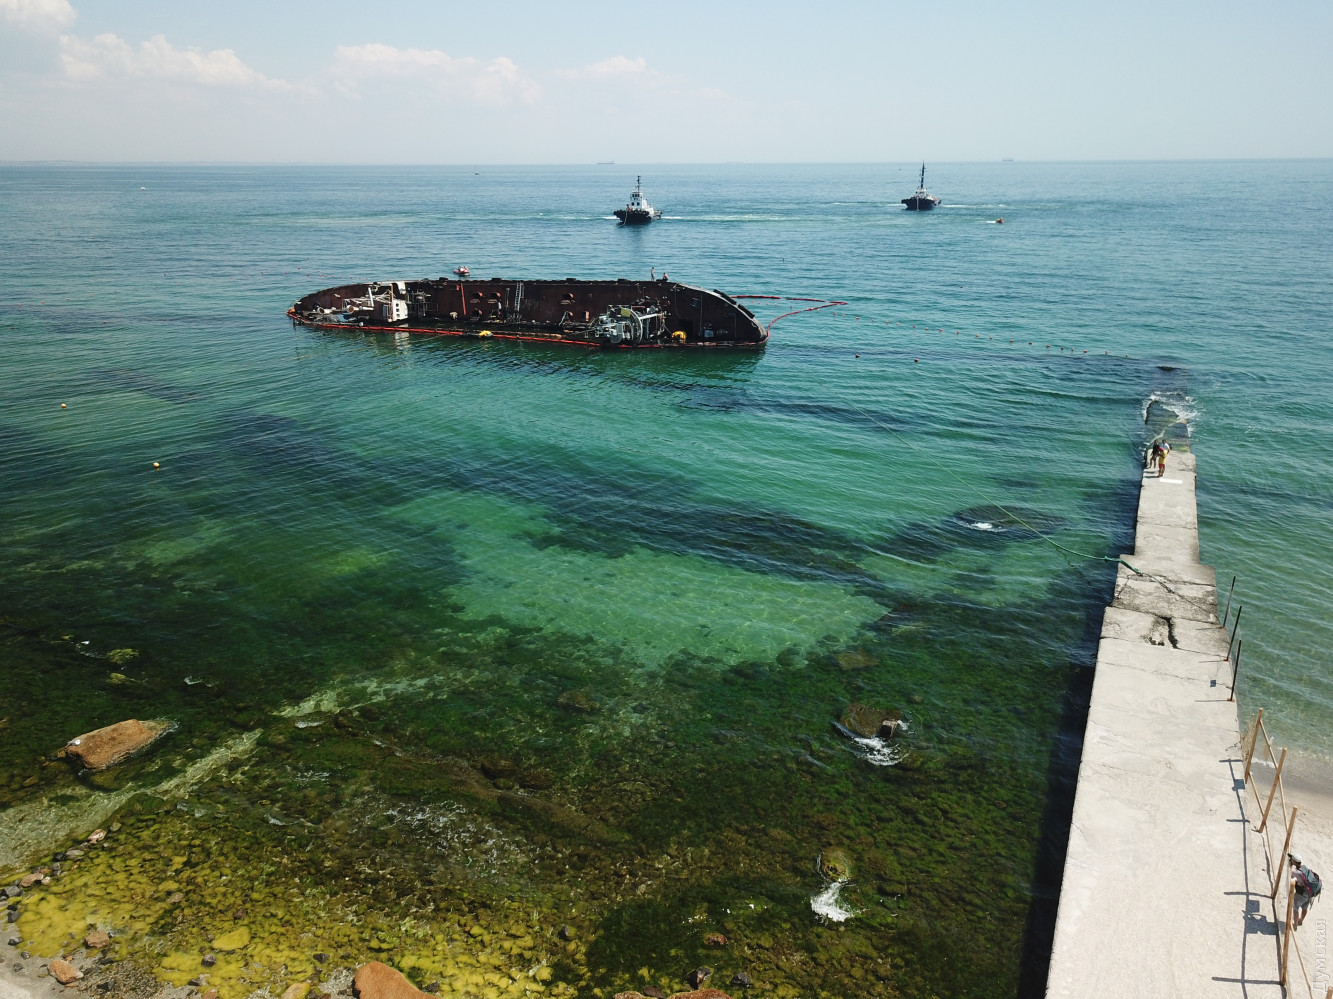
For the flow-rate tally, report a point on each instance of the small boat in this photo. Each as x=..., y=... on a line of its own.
x=462, y=271
x=922, y=200
x=638, y=211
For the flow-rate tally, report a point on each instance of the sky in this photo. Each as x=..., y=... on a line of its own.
x=583, y=81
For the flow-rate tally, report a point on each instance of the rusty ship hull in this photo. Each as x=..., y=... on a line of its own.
x=613, y=314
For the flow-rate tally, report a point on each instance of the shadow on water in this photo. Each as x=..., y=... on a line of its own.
x=669, y=370
x=1067, y=748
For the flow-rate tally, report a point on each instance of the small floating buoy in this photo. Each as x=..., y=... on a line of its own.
x=156, y=465
x=63, y=406
x=916, y=360
x=858, y=355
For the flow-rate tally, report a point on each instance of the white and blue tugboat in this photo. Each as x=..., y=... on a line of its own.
x=638, y=211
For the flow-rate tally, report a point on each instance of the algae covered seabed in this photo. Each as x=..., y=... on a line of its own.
x=518, y=668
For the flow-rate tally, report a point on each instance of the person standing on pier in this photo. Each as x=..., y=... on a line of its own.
x=1307, y=886
x=1163, y=450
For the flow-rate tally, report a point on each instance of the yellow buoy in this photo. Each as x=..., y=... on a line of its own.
x=63, y=406
x=156, y=465
x=485, y=333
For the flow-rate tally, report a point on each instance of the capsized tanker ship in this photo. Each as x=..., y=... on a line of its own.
x=618, y=313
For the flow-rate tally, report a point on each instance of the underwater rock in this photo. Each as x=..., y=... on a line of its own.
x=97, y=939
x=234, y=940
x=698, y=976
x=742, y=979
x=653, y=992
x=64, y=972
x=714, y=940
x=536, y=779
x=835, y=864
x=378, y=981
x=29, y=880
x=208, y=960
x=298, y=991
x=854, y=659
x=577, y=700
x=497, y=767
x=629, y=995
x=566, y=932
x=870, y=722
x=702, y=994
x=105, y=747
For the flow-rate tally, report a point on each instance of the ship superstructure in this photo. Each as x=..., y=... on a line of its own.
x=922, y=200
x=638, y=211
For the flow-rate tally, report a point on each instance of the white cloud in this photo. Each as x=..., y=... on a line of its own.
x=497, y=81
x=38, y=14
x=110, y=56
x=617, y=65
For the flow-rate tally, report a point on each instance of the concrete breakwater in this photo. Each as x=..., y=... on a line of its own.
x=1165, y=890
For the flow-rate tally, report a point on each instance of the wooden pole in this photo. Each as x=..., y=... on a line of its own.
x=1235, y=670
x=1249, y=757
x=1286, y=845
x=1277, y=779
x=1286, y=939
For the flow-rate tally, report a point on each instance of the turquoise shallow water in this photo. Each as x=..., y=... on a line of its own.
x=474, y=531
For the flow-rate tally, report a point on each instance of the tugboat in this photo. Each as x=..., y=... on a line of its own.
x=922, y=200
x=638, y=211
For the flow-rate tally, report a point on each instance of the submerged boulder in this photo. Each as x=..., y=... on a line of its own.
x=105, y=747
x=855, y=659
x=870, y=722
x=835, y=863
x=378, y=981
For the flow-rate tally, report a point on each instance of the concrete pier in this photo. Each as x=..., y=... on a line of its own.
x=1165, y=889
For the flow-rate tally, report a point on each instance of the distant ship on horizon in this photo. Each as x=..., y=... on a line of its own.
x=922, y=200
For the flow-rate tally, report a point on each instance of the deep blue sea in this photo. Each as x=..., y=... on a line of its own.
x=556, y=587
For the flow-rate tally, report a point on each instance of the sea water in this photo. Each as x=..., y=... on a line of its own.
x=465, y=639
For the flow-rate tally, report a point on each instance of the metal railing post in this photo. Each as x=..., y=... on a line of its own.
x=1235, y=628
x=1229, y=593
x=1235, y=669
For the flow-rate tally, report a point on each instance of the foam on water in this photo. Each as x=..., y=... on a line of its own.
x=827, y=904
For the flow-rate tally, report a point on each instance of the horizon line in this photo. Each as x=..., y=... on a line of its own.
x=585, y=163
